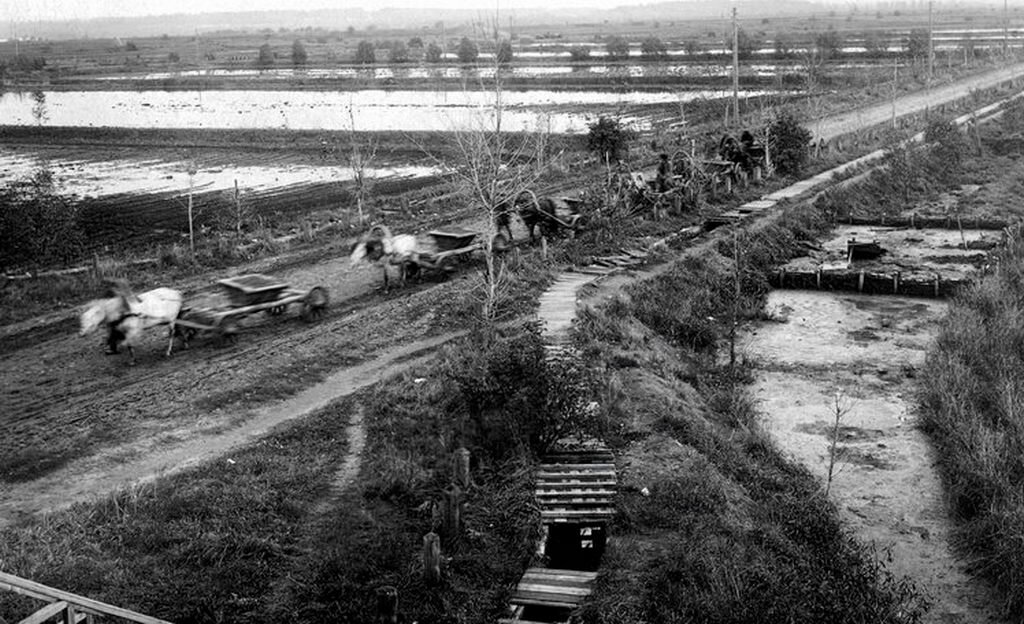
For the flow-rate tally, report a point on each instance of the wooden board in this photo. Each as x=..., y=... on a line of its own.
x=577, y=487
x=553, y=588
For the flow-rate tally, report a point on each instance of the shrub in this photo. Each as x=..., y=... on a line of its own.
x=609, y=138
x=365, y=54
x=511, y=398
x=433, y=53
x=266, y=56
x=467, y=52
x=789, y=141
x=38, y=227
x=617, y=48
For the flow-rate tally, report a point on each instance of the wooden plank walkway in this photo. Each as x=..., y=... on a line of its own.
x=577, y=487
x=546, y=587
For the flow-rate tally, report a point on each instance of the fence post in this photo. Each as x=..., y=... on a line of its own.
x=431, y=558
x=451, y=513
x=460, y=467
x=387, y=605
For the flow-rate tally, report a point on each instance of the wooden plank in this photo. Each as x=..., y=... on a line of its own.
x=561, y=572
x=31, y=588
x=46, y=614
x=563, y=467
x=575, y=503
x=546, y=600
x=575, y=483
x=577, y=513
x=572, y=491
x=559, y=590
x=572, y=471
x=555, y=580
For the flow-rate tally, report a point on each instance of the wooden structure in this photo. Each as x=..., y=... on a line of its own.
x=67, y=607
x=250, y=294
x=576, y=487
x=575, y=491
x=552, y=593
x=872, y=283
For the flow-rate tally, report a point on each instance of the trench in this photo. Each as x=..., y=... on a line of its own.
x=834, y=378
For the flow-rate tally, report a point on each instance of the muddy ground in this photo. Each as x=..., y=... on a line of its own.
x=857, y=355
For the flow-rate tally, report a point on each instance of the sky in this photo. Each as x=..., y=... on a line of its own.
x=30, y=10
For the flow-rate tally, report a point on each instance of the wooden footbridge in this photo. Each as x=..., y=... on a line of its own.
x=575, y=491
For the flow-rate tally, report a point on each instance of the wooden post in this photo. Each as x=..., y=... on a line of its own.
x=387, y=605
x=544, y=247
x=860, y=281
x=451, y=513
x=460, y=467
x=431, y=558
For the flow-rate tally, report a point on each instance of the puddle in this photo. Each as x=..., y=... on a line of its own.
x=860, y=354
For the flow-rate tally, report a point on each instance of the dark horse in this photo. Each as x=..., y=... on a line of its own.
x=544, y=214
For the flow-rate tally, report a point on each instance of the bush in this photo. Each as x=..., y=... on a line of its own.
x=789, y=142
x=617, y=48
x=38, y=227
x=609, y=138
x=467, y=52
x=365, y=54
x=511, y=398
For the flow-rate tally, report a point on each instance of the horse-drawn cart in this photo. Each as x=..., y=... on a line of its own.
x=441, y=249
x=249, y=294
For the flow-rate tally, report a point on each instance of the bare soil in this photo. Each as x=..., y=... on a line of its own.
x=862, y=353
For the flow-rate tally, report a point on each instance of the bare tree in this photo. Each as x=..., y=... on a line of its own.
x=497, y=168
x=360, y=159
x=840, y=409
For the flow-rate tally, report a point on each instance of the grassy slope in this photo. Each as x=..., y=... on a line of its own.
x=971, y=407
x=727, y=529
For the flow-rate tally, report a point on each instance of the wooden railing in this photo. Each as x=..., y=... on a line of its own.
x=67, y=607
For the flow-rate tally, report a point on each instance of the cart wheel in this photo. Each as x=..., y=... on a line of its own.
x=276, y=310
x=314, y=304
x=227, y=329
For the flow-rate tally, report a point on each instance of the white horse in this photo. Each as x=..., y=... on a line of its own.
x=379, y=245
x=126, y=315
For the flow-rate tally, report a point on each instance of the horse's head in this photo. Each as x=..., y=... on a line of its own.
x=96, y=313
x=357, y=253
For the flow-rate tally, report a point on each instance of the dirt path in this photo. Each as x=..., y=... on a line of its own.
x=837, y=125
x=865, y=351
x=149, y=459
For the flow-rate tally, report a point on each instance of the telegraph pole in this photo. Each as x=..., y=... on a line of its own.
x=1006, y=31
x=931, y=58
x=735, y=69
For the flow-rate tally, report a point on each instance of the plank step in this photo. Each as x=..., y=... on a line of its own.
x=553, y=466
x=574, y=492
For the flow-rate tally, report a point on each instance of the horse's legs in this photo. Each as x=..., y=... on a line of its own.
x=114, y=338
x=131, y=352
x=385, y=267
x=170, y=338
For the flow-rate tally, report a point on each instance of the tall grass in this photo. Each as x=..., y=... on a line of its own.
x=973, y=409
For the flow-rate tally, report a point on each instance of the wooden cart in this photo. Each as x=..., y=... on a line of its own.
x=249, y=294
x=443, y=248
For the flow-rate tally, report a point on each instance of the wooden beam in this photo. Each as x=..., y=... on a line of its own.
x=38, y=590
x=46, y=614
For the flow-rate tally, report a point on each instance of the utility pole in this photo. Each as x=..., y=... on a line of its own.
x=931, y=59
x=895, y=82
x=1006, y=31
x=735, y=69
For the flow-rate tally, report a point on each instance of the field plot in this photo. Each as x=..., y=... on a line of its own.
x=369, y=110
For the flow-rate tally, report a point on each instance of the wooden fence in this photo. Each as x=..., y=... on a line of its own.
x=66, y=607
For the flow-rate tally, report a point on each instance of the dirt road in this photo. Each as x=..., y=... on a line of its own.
x=836, y=125
x=70, y=415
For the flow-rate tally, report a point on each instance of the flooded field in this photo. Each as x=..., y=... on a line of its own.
x=136, y=172
x=367, y=110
